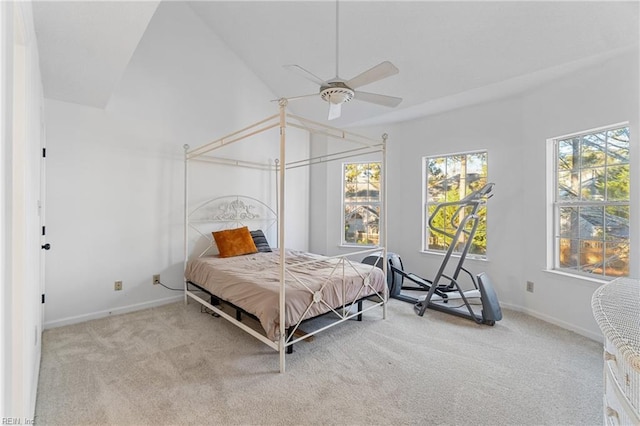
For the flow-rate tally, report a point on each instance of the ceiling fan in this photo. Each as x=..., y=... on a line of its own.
x=338, y=91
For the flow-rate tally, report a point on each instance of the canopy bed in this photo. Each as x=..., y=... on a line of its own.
x=229, y=259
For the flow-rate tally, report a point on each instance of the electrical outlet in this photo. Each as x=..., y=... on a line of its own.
x=156, y=279
x=117, y=286
x=530, y=286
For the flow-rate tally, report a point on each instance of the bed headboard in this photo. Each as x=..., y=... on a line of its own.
x=232, y=211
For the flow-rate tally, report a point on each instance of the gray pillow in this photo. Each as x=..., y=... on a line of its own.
x=260, y=241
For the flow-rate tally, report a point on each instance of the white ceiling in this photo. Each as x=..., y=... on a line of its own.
x=449, y=53
x=85, y=47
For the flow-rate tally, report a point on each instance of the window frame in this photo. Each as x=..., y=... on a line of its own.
x=555, y=205
x=344, y=203
x=426, y=204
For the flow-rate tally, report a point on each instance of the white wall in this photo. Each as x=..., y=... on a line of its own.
x=115, y=176
x=494, y=127
x=514, y=131
x=602, y=95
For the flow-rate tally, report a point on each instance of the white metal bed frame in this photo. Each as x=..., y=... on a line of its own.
x=280, y=166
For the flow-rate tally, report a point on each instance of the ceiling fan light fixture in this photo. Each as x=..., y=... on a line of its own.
x=337, y=95
x=338, y=91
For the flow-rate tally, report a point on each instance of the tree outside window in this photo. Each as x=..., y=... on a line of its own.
x=592, y=197
x=451, y=178
x=361, y=203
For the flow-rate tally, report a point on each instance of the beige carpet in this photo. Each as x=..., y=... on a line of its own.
x=175, y=365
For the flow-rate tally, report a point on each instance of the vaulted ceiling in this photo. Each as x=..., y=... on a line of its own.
x=85, y=46
x=449, y=53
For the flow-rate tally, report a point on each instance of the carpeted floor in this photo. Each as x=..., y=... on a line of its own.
x=174, y=365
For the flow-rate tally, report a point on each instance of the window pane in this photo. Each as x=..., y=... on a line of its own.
x=436, y=180
x=618, y=183
x=591, y=223
x=476, y=169
x=592, y=186
x=476, y=184
x=591, y=256
x=436, y=240
x=568, y=154
x=616, y=219
x=350, y=181
x=436, y=191
x=569, y=222
x=477, y=163
x=479, y=246
x=568, y=185
x=593, y=150
x=357, y=182
x=618, y=146
x=568, y=253
x=435, y=194
x=452, y=183
x=368, y=177
x=361, y=224
x=440, y=239
x=616, y=259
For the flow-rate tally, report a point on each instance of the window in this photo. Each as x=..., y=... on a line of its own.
x=450, y=178
x=591, y=203
x=361, y=203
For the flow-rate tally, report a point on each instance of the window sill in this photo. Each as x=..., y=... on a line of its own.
x=454, y=255
x=362, y=246
x=599, y=281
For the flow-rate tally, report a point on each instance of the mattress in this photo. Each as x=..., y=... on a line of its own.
x=314, y=284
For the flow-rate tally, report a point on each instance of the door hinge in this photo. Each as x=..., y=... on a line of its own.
x=44, y=152
x=42, y=297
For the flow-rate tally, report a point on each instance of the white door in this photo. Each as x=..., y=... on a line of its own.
x=25, y=214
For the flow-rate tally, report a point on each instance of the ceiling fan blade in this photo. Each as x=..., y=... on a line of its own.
x=334, y=111
x=380, y=71
x=306, y=74
x=295, y=98
x=374, y=98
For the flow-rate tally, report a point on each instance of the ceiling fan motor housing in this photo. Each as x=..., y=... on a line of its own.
x=336, y=93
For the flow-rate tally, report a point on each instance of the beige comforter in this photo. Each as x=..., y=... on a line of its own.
x=252, y=283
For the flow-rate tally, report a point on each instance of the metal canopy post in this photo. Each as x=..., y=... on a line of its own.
x=283, y=335
x=383, y=239
x=186, y=219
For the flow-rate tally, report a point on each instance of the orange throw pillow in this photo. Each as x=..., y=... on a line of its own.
x=234, y=242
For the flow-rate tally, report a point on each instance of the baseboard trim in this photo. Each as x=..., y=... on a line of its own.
x=115, y=311
x=567, y=326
